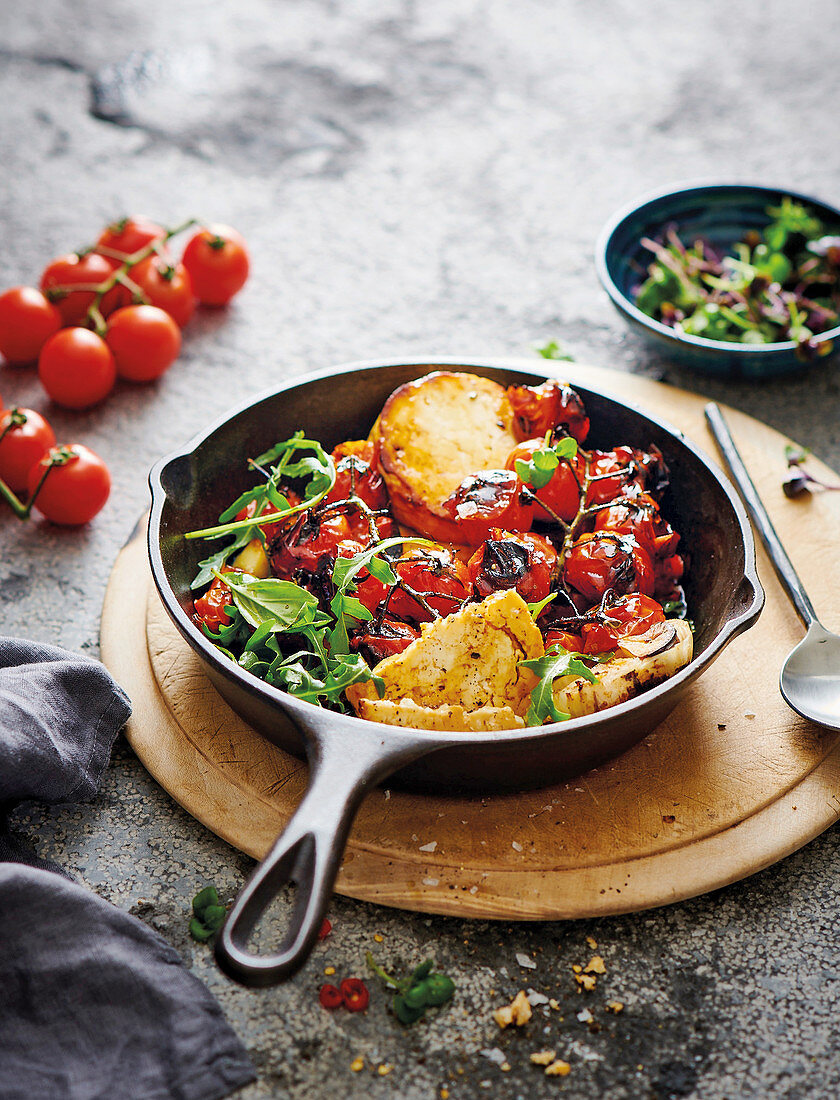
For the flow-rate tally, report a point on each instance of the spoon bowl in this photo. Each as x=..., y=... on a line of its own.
x=810, y=679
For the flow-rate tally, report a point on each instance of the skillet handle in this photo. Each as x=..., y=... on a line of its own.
x=343, y=767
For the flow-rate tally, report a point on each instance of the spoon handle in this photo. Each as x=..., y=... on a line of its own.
x=772, y=544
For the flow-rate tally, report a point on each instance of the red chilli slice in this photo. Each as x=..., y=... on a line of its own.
x=330, y=997
x=354, y=994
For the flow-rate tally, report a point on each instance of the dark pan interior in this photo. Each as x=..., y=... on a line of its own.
x=344, y=405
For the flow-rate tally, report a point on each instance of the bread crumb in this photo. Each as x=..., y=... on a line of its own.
x=518, y=1012
x=558, y=1069
x=614, y=1006
x=591, y=942
x=384, y=1069
x=377, y=938
x=505, y=1067
x=444, y=1094
x=552, y=1003
x=595, y=966
x=543, y=1057
x=329, y=971
x=585, y=981
x=357, y=1064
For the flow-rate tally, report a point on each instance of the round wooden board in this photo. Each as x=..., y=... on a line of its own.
x=731, y=783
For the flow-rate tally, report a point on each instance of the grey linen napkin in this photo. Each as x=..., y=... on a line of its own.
x=94, y=1005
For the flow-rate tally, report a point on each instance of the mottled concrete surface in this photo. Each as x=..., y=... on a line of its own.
x=418, y=178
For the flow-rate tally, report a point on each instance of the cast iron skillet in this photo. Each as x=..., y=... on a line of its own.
x=346, y=755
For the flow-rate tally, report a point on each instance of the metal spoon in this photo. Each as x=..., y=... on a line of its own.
x=810, y=677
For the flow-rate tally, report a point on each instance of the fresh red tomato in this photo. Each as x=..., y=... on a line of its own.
x=437, y=578
x=540, y=409
x=492, y=498
x=75, y=488
x=144, y=340
x=167, y=286
x=22, y=444
x=129, y=235
x=526, y=562
x=601, y=562
x=76, y=368
x=73, y=270
x=562, y=493
x=570, y=642
x=218, y=263
x=27, y=321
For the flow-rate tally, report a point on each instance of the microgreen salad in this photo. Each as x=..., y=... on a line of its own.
x=331, y=577
x=778, y=285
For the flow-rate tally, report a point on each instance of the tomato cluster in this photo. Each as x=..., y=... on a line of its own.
x=598, y=568
x=113, y=310
x=67, y=484
x=117, y=308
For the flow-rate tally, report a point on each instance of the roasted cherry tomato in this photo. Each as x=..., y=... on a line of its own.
x=540, y=409
x=357, y=474
x=632, y=468
x=631, y=614
x=167, y=286
x=144, y=340
x=430, y=582
x=76, y=487
x=129, y=235
x=570, y=642
x=76, y=368
x=72, y=270
x=526, y=562
x=311, y=543
x=561, y=496
x=638, y=515
x=668, y=572
x=217, y=261
x=385, y=639
x=270, y=530
x=25, y=437
x=27, y=321
x=210, y=608
x=598, y=563
x=492, y=498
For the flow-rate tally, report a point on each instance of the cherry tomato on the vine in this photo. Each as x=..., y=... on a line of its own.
x=145, y=342
x=130, y=234
x=75, y=489
x=526, y=562
x=76, y=368
x=73, y=270
x=22, y=444
x=491, y=498
x=570, y=642
x=561, y=496
x=27, y=321
x=217, y=260
x=602, y=561
x=167, y=286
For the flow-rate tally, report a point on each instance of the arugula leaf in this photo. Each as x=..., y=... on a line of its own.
x=539, y=469
x=272, y=602
x=536, y=608
x=556, y=663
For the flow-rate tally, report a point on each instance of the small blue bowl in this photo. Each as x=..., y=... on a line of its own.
x=721, y=213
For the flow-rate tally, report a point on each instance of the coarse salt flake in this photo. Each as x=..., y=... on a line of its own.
x=526, y=961
x=430, y=847
x=431, y=881
x=517, y=847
